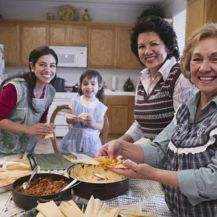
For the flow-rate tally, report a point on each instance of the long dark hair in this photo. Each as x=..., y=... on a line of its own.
x=159, y=26
x=93, y=74
x=30, y=77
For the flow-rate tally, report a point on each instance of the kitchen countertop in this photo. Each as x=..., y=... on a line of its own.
x=107, y=93
x=146, y=194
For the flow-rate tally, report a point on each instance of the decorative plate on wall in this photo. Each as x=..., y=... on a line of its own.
x=67, y=13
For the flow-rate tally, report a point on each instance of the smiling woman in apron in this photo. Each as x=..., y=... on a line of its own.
x=24, y=103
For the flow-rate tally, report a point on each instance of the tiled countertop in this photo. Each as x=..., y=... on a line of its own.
x=107, y=93
x=118, y=93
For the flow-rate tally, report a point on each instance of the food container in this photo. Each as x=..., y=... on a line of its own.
x=30, y=201
x=103, y=190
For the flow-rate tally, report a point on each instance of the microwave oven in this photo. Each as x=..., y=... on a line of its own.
x=71, y=56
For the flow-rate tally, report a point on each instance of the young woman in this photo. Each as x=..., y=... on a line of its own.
x=24, y=103
x=189, y=143
x=88, y=116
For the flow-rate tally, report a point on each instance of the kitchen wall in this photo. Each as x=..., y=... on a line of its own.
x=100, y=12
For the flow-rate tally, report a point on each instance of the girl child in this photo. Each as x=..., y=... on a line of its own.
x=88, y=116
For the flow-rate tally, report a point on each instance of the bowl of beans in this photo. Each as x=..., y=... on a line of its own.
x=43, y=187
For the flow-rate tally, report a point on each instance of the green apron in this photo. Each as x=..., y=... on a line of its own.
x=11, y=143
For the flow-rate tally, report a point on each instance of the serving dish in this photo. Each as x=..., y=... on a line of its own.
x=103, y=189
x=5, y=188
x=28, y=202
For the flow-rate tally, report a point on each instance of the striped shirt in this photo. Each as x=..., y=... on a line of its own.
x=155, y=111
x=182, y=91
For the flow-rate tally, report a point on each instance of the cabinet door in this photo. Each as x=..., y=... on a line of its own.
x=10, y=38
x=195, y=15
x=200, y=12
x=77, y=35
x=68, y=35
x=120, y=113
x=32, y=36
x=58, y=34
x=210, y=11
x=125, y=57
x=101, y=45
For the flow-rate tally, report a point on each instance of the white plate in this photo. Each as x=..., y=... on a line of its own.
x=5, y=188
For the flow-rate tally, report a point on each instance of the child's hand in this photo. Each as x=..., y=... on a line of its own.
x=84, y=117
x=71, y=119
x=89, y=120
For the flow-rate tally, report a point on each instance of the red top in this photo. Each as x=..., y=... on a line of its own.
x=8, y=100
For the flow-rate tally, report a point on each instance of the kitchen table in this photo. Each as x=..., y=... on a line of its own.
x=148, y=194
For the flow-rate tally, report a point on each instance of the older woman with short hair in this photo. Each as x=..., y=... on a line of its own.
x=189, y=143
x=162, y=87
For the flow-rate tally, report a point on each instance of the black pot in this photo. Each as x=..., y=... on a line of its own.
x=29, y=201
x=102, y=191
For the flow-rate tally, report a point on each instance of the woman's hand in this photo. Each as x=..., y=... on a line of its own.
x=111, y=149
x=147, y=172
x=127, y=150
x=82, y=118
x=90, y=122
x=136, y=171
x=87, y=119
x=72, y=119
x=40, y=129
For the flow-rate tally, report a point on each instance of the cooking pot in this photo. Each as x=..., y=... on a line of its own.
x=102, y=191
x=30, y=201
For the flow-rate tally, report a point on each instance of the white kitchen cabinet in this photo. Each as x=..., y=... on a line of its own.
x=60, y=120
